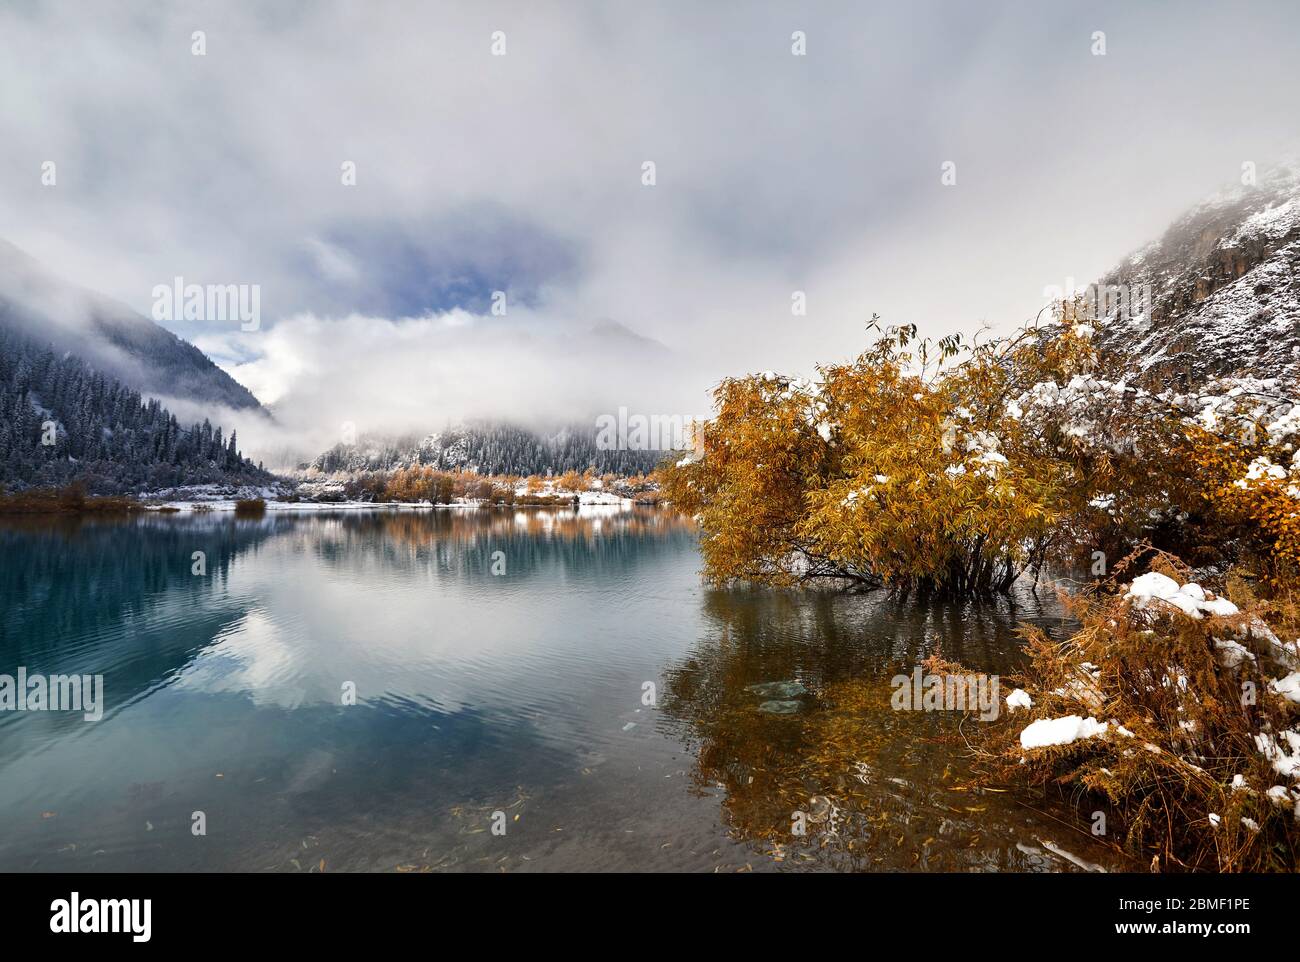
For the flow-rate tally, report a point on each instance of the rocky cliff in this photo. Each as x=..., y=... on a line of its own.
x=1218, y=295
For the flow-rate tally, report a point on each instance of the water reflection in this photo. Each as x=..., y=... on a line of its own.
x=476, y=692
x=845, y=781
x=499, y=660
x=106, y=596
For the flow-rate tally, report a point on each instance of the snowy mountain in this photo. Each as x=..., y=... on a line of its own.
x=487, y=448
x=85, y=390
x=1224, y=284
x=109, y=336
x=63, y=421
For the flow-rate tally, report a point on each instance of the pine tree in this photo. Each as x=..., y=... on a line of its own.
x=107, y=435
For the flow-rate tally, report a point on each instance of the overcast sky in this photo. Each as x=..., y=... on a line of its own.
x=474, y=173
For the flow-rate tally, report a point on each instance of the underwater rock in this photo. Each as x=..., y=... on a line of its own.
x=819, y=807
x=778, y=689
x=780, y=707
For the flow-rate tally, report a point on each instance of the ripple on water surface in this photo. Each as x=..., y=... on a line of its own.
x=595, y=699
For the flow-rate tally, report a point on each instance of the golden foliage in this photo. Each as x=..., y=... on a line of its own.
x=915, y=466
x=1182, y=721
x=1262, y=512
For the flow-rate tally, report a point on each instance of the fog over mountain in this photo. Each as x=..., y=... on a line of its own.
x=1224, y=288
x=381, y=177
x=324, y=380
x=355, y=373
x=110, y=336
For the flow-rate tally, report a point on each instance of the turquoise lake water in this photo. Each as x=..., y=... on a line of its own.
x=562, y=677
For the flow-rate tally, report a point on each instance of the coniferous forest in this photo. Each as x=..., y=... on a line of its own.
x=492, y=449
x=62, y=422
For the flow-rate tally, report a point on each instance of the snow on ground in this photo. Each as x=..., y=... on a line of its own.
x=602, y=497
x=1190, y=598
x=303, y=507
x=1019, y=699
x=199, y=493
x=1060, y=731
x=1288, y=687
x=307, y=507
x=222, y=497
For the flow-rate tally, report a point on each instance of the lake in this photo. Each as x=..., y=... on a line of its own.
x=482, y=690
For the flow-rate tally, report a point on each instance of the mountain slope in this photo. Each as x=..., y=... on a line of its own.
x=109, y=336
x=488, y=448
x=62, y=421
x=1225, y=290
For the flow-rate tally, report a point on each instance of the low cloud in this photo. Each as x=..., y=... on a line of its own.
x=418, y=375
x=522, y=173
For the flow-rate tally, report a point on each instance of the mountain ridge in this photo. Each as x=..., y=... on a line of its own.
x=486, y=447
x=1224, y=284
x=110, y=336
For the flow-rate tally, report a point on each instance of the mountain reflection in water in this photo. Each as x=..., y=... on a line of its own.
x=521, y=692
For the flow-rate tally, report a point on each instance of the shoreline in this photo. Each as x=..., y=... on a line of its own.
x=253, y=501
x=117, y=507
x=309, y=507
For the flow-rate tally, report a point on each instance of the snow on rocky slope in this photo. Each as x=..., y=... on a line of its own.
x=1224, y=290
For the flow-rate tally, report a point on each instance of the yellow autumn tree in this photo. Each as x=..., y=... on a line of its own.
x=1249, y=482
x=952, y=466
x=570, y=481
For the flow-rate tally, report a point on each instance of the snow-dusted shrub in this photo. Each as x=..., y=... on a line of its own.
x=1172, y=705
x=1245, y=448
x=953, y=466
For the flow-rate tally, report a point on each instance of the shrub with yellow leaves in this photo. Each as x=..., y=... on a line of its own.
x=952, y=466
x=1172, y=706
x=1255, y=499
